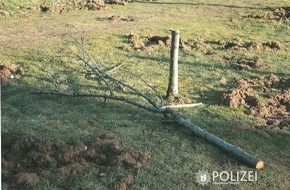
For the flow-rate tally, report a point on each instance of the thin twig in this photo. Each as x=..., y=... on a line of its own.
x=100, y=73
x=115, y=68
x=119, y=98
x=150, y=86
x=97, y=71
x=182, y=106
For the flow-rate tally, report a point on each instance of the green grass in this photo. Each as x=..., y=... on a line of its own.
x=39, y=43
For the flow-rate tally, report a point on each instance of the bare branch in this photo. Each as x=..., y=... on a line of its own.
x=119, y=98
x=102, y=74
x=150, y=86
x=182, y=106
x=98, y=72
x=115, y=68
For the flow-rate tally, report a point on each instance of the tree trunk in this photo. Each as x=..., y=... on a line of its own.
x=216, y=141
x=173, y=72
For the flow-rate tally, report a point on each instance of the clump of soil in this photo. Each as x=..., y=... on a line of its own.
x=120, y=18
x=242, y=45
x=30, y=179
x=235, y=44
x=275, y=45
x=265, y=97
x=246, y=63
x=279, y=14
x=124, y=183
x=179, y=100
x=4, y=13
x=147, y=44
x=27, y=160
x=155, y=42
x=198, y=44
x=73, y=5
x=11, y=72
x=79, y=5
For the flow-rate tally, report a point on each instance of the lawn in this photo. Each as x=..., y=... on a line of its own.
x=219, y=34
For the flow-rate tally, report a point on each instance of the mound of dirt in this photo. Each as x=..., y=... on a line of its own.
x=120, y=18
x=265, y=97
x=179, y=100
x=147, y=44
x=4, y=13
x=73, y=5
x=242, y=45
x=124, y=183
x=280, y=14
x=11, y=72
x=79, y=5
x=198, y=44
x=155, y=42
x=27, y=160
x=246, y=63
x=235, y=44
x=275, y=45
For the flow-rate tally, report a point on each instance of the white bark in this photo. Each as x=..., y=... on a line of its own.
x=173, y=72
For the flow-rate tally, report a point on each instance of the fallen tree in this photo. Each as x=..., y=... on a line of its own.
x=150, y=103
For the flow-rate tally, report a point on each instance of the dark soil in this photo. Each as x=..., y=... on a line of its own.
x=279, y=14
x=147, y=44
x=117, y=18
x=155, y=42
x=245, y=63
x=242, y=45
x=4, y=13
x=265, y=97
x=28, y=160
x=11, y=72
x=124, y=183
x=179, y=100
x=79, y=5
x=198, y=44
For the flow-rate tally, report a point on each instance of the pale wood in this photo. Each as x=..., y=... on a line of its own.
x=218, y=142
x=115, y=68
x=182, y=106
x=173, y=72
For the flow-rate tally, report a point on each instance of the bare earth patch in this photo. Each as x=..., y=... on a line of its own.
x=265, y=97
x=156, y=42
x=243, y=45
x=197, y=44
x=124, y=183
x=147, y=44
x=27, y=160
x=279, y=14
x=11, y=72
x=117, y=18
x=79, y=5
x=246, y=63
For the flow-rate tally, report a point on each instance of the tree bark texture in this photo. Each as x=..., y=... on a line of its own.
x=216, y=141
x=173, y=72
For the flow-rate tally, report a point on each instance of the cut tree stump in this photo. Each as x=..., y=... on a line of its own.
x=173, y=72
